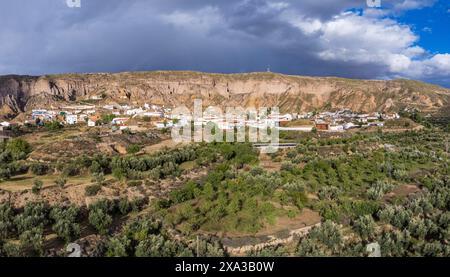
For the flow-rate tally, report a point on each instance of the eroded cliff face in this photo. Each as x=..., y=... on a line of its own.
x=290, y=93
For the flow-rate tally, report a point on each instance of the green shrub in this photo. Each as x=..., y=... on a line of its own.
x=53, y=126
x=124, y=206
x=133, y=149
x=72, y=169
x=65, y=225
x=18, y=148
x=365, y=227
x=378, y=190
x=33, y=239
x=117, y=247
x=61, y=182
x=6, y=221
x=37, y=186
x=100, y=219
x=92, y=190
x=99, y=178
x=34, y=215
x=39, y=169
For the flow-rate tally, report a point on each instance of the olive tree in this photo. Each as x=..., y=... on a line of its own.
x=33, y=239
x=6, y=221
x=65, y=225
x=100, y=219
x=365, y=227
x=37, y=186
x=34, y=215
x=61, y=182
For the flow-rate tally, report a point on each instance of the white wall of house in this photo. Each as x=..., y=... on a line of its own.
x=91, y=123
x=119, y=120
x=336, y=128
x=71, y=119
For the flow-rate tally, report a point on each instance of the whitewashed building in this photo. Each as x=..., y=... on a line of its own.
x=5, y=124
x=119, y=120
x=71, y=119
x=91, y=123
x=336, y=128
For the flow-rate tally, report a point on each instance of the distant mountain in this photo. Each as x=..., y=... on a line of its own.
x=291, y=93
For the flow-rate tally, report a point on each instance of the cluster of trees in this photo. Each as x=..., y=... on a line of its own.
x=95, y=165
x=66, y=224
x=326, y=240
x=39, y=169
x=27, y=226
x=379, y=189
x=417, y=227
x=102, y=213
x=350, y=188
x=156, y=166
x=12, y=156
x=147, y=237
x=229, y=199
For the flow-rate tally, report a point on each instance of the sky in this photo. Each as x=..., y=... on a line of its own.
x=345, y=38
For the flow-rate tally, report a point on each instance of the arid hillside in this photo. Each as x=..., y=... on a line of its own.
x=290, y=93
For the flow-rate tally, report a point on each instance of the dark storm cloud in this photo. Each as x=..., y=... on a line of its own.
x=45, y=36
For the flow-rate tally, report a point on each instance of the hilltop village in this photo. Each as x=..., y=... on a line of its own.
x=151, y=116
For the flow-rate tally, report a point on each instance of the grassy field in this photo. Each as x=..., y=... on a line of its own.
x=24, y=182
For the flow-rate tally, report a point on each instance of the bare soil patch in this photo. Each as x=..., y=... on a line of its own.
x=402, y=191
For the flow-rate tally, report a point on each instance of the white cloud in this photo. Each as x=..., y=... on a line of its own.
x=372, y=39
x=440, y=62
x=413, y=4
x=398, y=62
x=427, y=30
x=306, y=25
x=361, y=39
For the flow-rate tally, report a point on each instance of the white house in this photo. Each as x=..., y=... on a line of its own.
x=108, y=107
x=134, y=111
x=350, y=125
x=71, y=119
x=305, y=115
x=336, y=128
x=376, y=124
x=91, y=123
x=362, y=119
x=96, y=97
x=280, y=117
x=119, y=120
x=150, y=114
x=391, y=116
x=5, y=124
